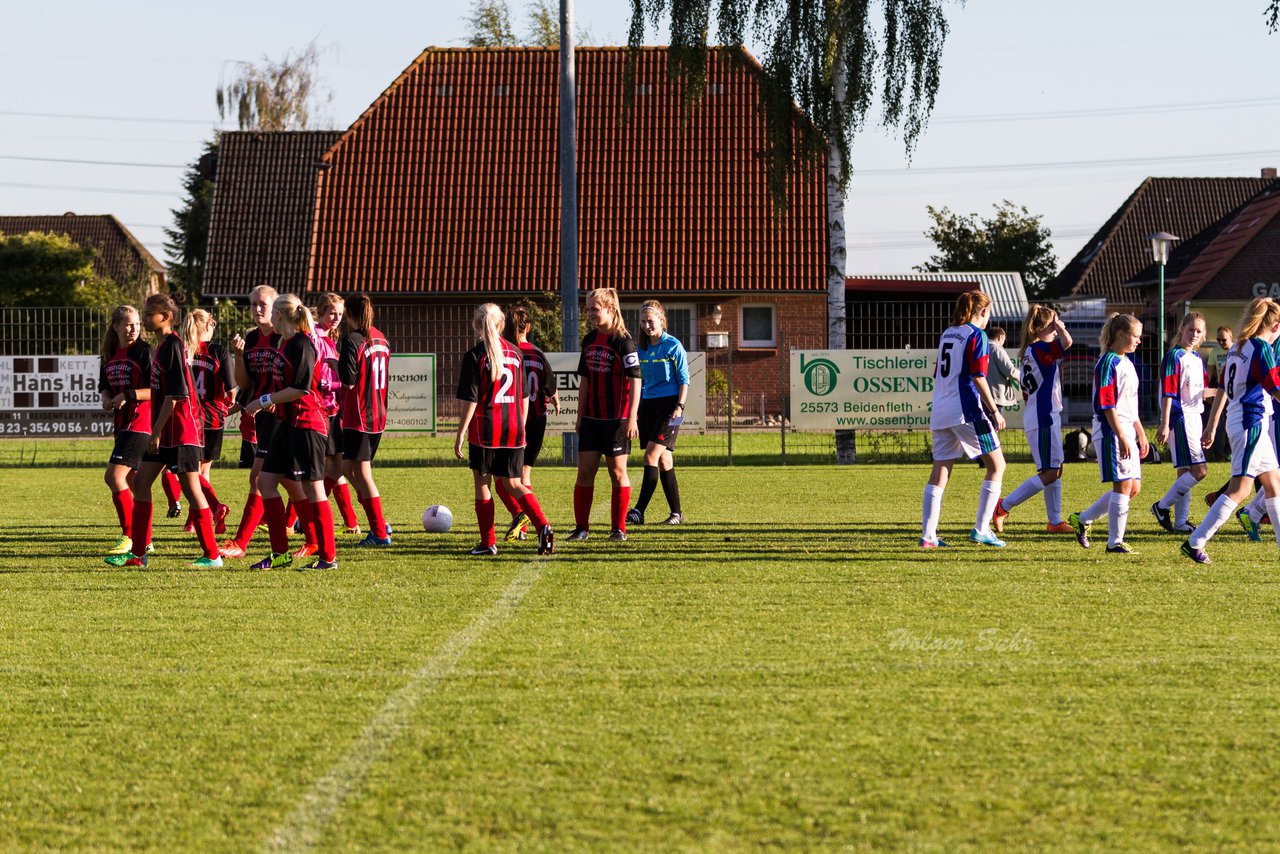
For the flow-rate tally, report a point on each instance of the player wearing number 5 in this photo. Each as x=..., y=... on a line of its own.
x=965, y=419
x=364, y=363
x=492, y=385
x=1047, y=341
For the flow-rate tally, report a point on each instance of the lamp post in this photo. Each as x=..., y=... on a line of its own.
x=1160, y=243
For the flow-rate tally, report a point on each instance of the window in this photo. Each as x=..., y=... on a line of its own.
x=444, y=90
x=680, y=323
x=501, y=90
x=757, y=327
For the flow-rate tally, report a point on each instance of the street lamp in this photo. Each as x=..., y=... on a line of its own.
x=1160, y=243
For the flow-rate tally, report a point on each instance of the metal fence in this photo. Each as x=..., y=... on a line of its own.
x=748, y=417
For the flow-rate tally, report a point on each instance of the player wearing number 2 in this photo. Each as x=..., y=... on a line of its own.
x=965, y=419
x=1046, y=340
x=492, y=384
x=540, y=385
x=364, y=363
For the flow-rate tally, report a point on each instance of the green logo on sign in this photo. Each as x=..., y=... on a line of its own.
x=819, y=375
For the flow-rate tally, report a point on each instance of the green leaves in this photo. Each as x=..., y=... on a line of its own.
x=1012, y=240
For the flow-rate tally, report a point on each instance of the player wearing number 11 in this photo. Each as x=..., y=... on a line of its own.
x=364, y=363
x=965, y=419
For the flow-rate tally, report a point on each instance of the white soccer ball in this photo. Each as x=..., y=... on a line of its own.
x=437, y=519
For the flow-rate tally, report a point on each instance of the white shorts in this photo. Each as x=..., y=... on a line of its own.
x=970, y=440
x=1046, y=446
x=1184, y=441
x=1112, y=466
x=1252, y=453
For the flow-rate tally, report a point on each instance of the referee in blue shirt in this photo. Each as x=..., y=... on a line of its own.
x=664, y=367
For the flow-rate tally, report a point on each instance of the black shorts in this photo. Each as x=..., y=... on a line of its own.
x=265, y=424
x=333, y=443
x=499, y=462
x=604, y=437
x=296, y=453
x=129, y=449
x=535, y=428
x=212, y=444
x=359, y=446
x=653, y=418
x=179, y=460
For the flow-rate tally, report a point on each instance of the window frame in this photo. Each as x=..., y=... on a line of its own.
x=770, y=343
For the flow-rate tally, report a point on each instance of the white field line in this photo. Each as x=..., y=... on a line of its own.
x=304, y=827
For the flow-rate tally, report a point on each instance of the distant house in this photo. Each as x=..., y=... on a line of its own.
x=889, y=311
x=444, y=193
x=118, y=255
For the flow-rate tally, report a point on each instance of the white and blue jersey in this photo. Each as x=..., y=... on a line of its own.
x=664, y=367
x=1248, y=378
x=1042, y=383
x=1115, y=388
x=962, y=357
x=1184, y=379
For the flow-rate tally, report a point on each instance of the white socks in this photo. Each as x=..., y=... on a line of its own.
x=930, y=512
x=1053, y=502
x=1097, y=508
x=1025, y=490
x=1181, y=486
x=1258, y=506
x=1220, y=512
x=1117, y=518
x=988, y=495
x=1273, y=508
x=1182, y=510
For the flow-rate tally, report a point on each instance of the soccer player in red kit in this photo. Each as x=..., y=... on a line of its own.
x=328, y=316
x=125, y=384
x=215, y=386
x=608, y=402
x=177, y=438
x=492, y=384
x=364, y=363
x=299, y=442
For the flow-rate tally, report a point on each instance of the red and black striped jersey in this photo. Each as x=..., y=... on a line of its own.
x=499, y=418
x=298, y=370
x=171, y=378
x=261, y=362
x=608, y=363
x=540, y=382
x=129, y=368
x=364, y=364
x=215, y=382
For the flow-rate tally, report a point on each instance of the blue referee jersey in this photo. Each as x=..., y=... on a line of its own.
x=664, y=367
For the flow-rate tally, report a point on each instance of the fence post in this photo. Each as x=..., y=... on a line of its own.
x=729, y=382
x=784, y=383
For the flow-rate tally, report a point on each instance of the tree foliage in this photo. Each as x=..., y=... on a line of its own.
x=893, y=60
x=489, y=24
x=283, y=95
x=187, y=241
x=1273, y=16
x=38, y=269
x=1011, y=241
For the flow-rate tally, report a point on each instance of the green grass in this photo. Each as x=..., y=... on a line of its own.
x=788, y=671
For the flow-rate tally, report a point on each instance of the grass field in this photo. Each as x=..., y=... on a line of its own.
x=787, y=671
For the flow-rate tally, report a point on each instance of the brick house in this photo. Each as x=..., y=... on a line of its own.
x=445, y=193
x=118, y=255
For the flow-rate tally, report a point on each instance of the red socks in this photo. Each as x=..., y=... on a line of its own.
x=342, y=495
x=529, y=504
x=253, y=511
x=204, y=533
x=323, y=526
x=209, y=495
x=582, y=497
x=618, y=505
x=273, y=509
x=291, y=515
x=377, y=523
x=307, y=513
x=508, y=500
x=123, y=501
x=141, y=527
x=484, y=516
x=172, y=489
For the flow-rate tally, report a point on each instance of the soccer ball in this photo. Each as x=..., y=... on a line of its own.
x=437, y=519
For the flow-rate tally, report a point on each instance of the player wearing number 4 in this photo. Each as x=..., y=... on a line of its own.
x=1047, y=341
x=1181, y=406
x=965, y=419
x=492, y=384
x=1117, y=433
x=1250, y=381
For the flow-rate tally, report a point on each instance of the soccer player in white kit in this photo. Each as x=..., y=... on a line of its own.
x=1249, y=382
x=964, y=420
x=1117, y=433
x=1046, y=340
x=1182, y=395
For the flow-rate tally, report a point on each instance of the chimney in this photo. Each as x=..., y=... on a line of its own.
x=1269, y=173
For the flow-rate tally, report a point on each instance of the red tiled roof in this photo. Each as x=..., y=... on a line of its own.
x=449, y=182
x=1198, y=276
x=263, y=210
x=1120, y=251
x=121, y=257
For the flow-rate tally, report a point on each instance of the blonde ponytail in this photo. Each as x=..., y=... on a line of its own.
x=968, y=306
x=292, y=313
x=193, y=326
x=1259, y=314
x=488, y=322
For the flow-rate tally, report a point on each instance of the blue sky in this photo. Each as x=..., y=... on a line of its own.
x=1083, y=99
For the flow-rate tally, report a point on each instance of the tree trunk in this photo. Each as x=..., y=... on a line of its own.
x=837, y=316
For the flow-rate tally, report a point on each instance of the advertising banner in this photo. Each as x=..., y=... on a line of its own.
x=411, y=393
x=51, y=396
x=868, y=390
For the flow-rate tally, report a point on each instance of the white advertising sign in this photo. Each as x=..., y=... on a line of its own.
x=565, y=368
x=411, y=393
x=868, y=390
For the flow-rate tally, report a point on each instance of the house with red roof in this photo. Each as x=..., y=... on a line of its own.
x=445, y=193
x=118, y=254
